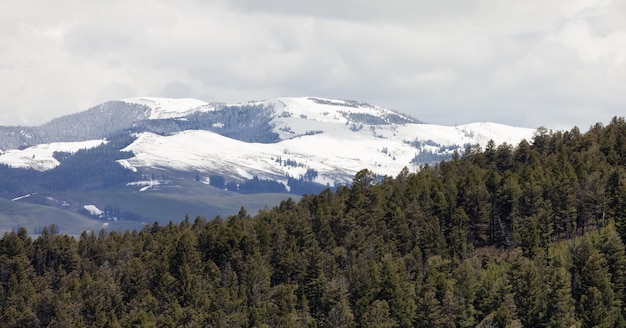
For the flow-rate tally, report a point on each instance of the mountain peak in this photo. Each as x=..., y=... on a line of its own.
x=337, y=111
x=162, y=108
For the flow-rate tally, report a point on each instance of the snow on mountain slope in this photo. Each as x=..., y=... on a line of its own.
x=335, y=159
x=473, y=133
x=276, y=139
x=336, y=151
x=162, y=108
x=40, y=157
x=307, y=115
x=327, y=110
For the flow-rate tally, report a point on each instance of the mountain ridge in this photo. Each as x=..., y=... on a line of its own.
x=126, y=157
x=274, y=139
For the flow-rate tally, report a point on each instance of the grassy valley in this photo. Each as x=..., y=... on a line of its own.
x=33, y=217
x=132, y=209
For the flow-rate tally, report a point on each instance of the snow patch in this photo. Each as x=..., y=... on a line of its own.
x=145, y=185
x=21, y=197
x=125, y=164
x=40, y=157
x=93, y=210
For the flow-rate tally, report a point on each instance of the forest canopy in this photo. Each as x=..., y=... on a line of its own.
x=527, y=235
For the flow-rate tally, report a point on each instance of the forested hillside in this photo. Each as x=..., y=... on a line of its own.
x=85, y=170
x=527, y=235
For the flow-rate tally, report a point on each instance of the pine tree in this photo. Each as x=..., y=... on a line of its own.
x=613, y=250
x=592, y=286
x=525, y=283
x=616, y=194
x=377, y=316
x=560, y=310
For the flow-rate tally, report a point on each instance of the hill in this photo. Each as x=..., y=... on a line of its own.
x=288, y=146
x=322, y=141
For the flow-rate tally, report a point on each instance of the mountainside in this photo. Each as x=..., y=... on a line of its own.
x=313, y=139
x=283, y=145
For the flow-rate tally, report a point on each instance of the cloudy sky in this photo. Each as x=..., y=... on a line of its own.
x=556, y=63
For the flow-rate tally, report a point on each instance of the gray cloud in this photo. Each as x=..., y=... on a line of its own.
x=177, y=89
x=555, y=63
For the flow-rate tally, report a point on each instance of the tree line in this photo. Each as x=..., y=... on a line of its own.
x=507, y=236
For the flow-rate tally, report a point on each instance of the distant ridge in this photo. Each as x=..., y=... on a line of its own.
x=320, y=140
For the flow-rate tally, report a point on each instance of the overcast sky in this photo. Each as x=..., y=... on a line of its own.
x=552, y=63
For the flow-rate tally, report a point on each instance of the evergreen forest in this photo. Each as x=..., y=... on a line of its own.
x=527, y=235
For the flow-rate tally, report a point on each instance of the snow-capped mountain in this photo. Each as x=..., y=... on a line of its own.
x=316, y=140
